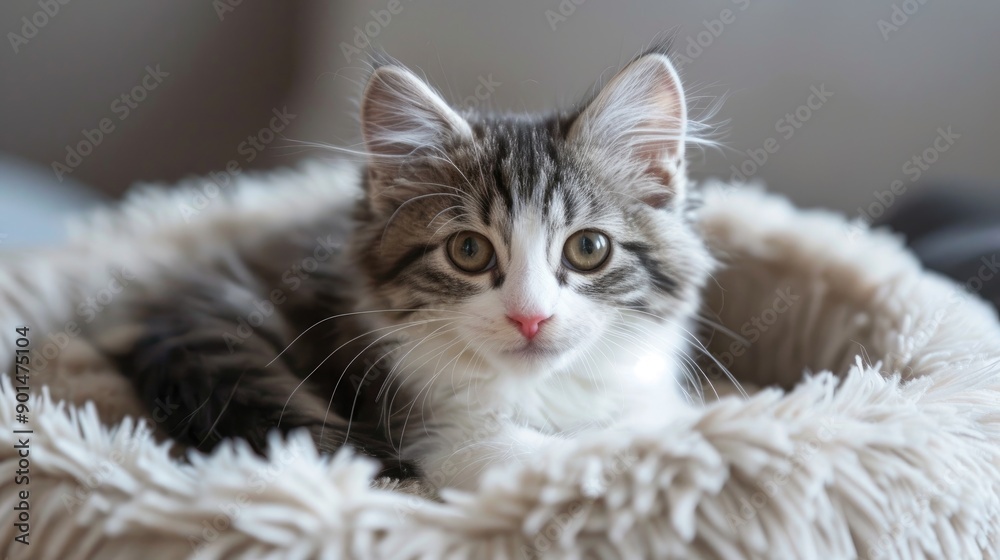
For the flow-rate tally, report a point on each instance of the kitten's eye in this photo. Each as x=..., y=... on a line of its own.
x=471, y=252
x=586, y=250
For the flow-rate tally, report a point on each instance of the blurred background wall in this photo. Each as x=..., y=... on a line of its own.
x=829, y=102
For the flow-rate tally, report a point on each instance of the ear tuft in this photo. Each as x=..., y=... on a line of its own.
x=640, y=118
x=400, y=115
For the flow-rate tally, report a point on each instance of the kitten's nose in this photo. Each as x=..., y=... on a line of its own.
x=528, y=324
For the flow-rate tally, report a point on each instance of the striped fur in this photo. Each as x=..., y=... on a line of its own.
x=527, y=184
x=422, y=365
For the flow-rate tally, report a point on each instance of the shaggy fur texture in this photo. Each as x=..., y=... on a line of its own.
x=885, y=442
x=479, y=303
x=474, y=389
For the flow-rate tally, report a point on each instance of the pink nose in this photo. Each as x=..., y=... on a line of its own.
x=528, y=324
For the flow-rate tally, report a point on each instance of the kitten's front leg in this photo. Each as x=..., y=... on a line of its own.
x=464, y=454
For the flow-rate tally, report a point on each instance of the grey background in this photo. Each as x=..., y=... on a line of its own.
x=940, y=68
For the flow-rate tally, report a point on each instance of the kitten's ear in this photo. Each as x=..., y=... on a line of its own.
x=400, y=115
x=639, y=118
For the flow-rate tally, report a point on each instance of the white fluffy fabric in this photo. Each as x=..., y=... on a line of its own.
x=872, y=429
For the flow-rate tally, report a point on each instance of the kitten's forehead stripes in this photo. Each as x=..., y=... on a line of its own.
x=569, y=206
x=523, y=168
x=524, y=163
x=501, y=161
x=555, y=177
x=485, y=206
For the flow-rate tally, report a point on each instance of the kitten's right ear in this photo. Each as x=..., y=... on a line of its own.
x=401, y=115
x=640, y=120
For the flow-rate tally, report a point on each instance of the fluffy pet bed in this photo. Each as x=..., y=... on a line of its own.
x=872, y=428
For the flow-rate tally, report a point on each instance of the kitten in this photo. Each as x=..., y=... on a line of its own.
x=510, y=281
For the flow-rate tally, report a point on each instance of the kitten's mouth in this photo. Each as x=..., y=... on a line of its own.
x=533, y=358
x=534, y=350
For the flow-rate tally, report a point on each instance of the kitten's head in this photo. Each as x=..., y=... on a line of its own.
x=525, y=240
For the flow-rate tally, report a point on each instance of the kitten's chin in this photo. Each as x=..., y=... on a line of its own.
x=532, y=360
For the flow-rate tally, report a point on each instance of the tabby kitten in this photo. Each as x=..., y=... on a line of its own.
x=509, y=281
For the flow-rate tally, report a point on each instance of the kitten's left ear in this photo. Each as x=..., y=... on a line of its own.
x=639, y=118
x=401, y=115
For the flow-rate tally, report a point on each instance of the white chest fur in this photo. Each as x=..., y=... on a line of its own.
x=482, y=416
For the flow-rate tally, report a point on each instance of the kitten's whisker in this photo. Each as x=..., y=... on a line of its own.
x=413, y=403
x=398, y=209
x=454, y=367
x=632, y=338
x=402, y=359
x=225, y=406
x=445, y=158
x=330, y=147
x=438, y=370
x=392, y=400
x=469, y=198
x=675, y=380
x=721, y=328
x=413, y=370
x=450, y=220
x=353, y=313
x=683, y=359
x=478, y=357
x=396, y=328
x=624, y=332
x=437, y=332
x=387, y=410
x=389, y=375
x=458, y=192
x=390, y=413
x=592, y=367
x=696, y=344
x=442, y=212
